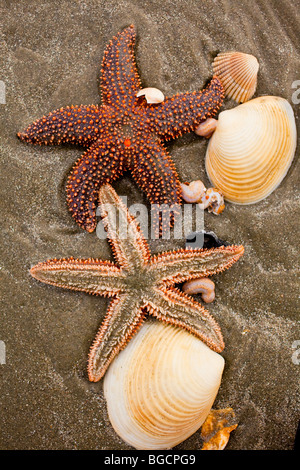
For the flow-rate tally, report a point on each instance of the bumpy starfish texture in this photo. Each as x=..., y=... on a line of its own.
x=124, y=133
x=138, y=284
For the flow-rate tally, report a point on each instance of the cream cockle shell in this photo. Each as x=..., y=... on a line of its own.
x=152, y=95
x=252, y=149
x=161, y=387
x=238, y=73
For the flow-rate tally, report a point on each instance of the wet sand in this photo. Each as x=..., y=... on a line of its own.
x=51, y=53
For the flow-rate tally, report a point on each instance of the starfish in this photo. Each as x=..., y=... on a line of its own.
x=138, y=283
x=124, y=133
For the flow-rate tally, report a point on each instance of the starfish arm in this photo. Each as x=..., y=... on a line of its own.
x=128, y=243
x=124, y=317
x=183, y=265
x=92, y=276
x=155, y=173
x=120, y=81
x=73, y=125
x=183, y=112
x=174, y=307
x=102, y=163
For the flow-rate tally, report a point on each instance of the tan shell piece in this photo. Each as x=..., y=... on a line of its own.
x=161, y=387
x=252, y=149
x=238, y=74
x=206, y=128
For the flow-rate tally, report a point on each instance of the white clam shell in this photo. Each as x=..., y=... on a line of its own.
x=161, y=387
x=252, y=149
x=152, y=95
x=238, y=73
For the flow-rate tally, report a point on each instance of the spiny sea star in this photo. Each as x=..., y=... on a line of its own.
x=138, y=284
x=125, y=133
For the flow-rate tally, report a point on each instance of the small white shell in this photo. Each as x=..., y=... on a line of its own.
x=193, y=192
x=161, y=387
x=152, y=95
x=252, y=149
x=238, y=73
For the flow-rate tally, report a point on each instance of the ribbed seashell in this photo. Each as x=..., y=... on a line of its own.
x=252, y=149
x=152, y=95
x=238, y=73
x=161, y=387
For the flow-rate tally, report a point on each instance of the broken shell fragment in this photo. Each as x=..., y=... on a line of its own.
x=203, y=286
x=213, y=200
x=238, y=73
x=206, y=128
x=161, y=387
x=193, y=192
x=152, y=95
x=217, y=427
x=252, y=149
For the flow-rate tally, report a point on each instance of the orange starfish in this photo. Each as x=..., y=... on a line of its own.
x=138, y=284
x=125, y=133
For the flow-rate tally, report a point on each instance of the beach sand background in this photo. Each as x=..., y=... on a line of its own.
x=51, y=54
